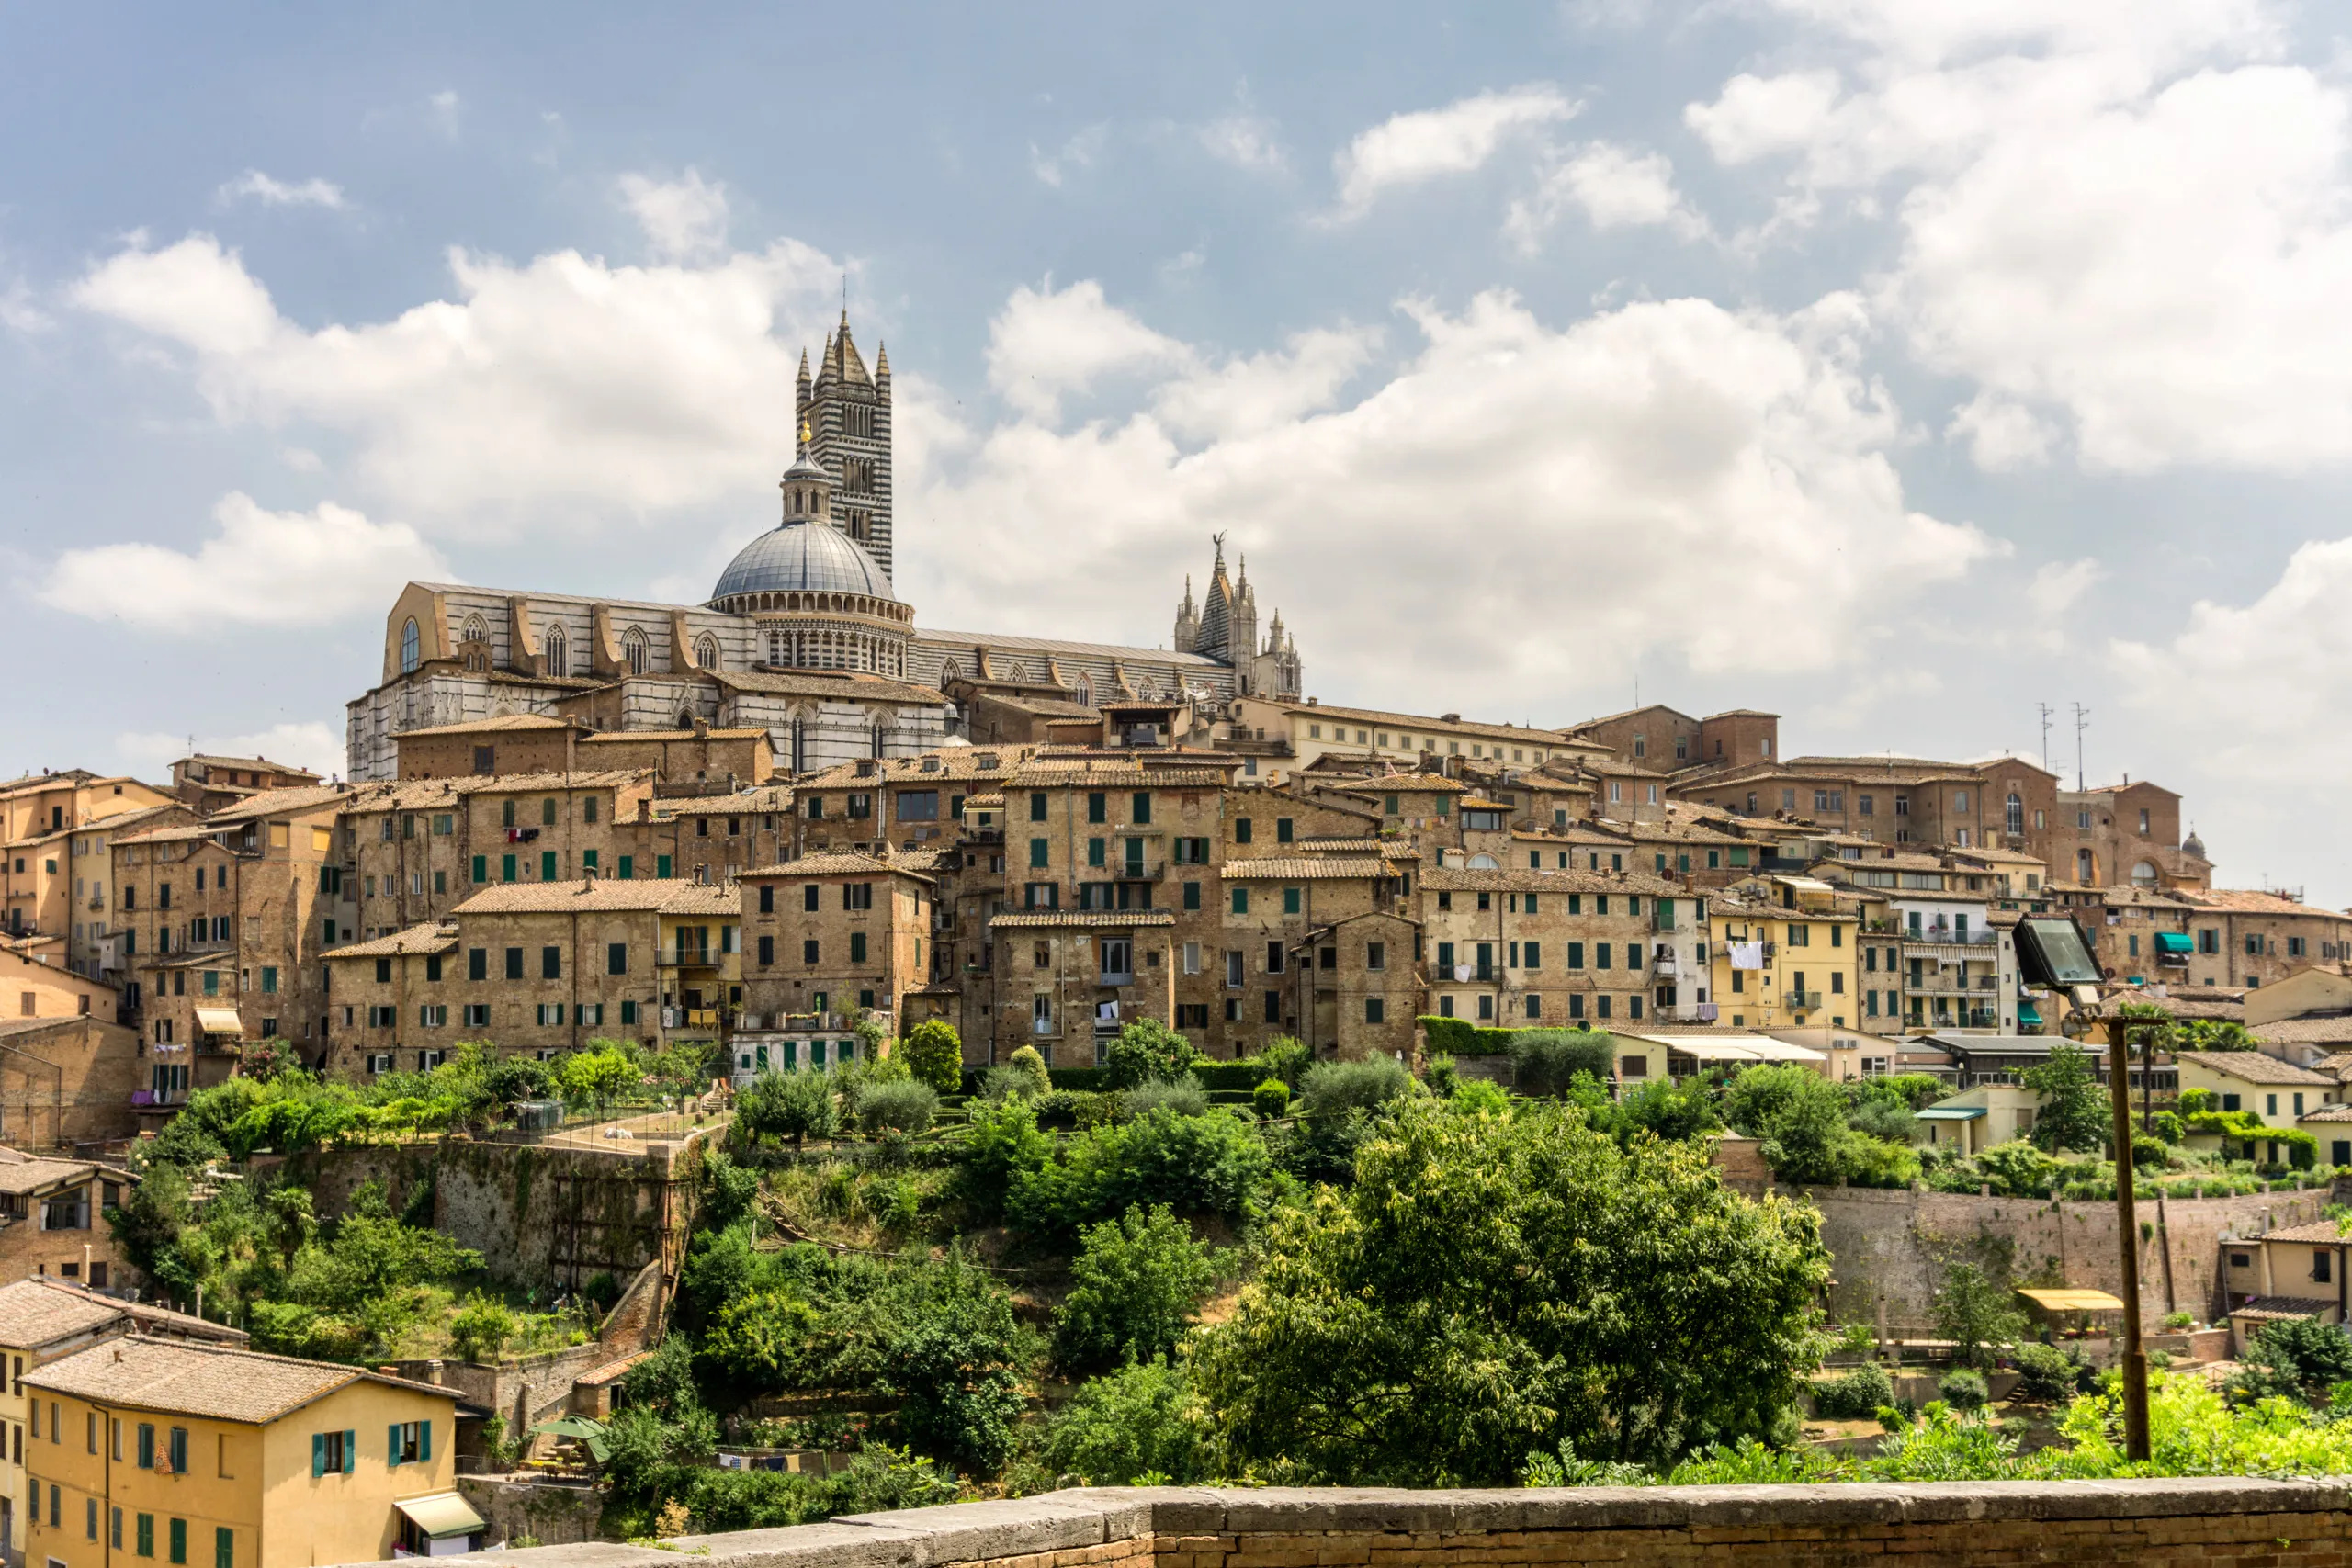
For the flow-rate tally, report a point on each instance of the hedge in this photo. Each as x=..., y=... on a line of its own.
x=1085, y=1081
x=1459, y=1037
x=1239, y=1077
x=2247, y=1128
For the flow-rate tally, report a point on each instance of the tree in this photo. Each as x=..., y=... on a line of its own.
x=1136, y=1285
x=1001, y=1144
x=1799, y=1119
x=900, y=1108
x=1974, y=1313
x=1031, y=1065
x=598, y=1075
x=2215, y=1035
x=1148, y=1051
x=1142, y=1420
x=1489, y=1287
x=934, y=1055
x=798, y=1106
x=1546, y=1061
x=2073, y=1115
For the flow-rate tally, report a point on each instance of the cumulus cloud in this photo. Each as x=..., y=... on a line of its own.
x=1411, y=148
x=683, y=219
x=1245, y=141
x=562, y=383
x=1541, y=505
x=259, y=569
x=1612, y=187
x=1055, y=164
x=2124, y=221
x=2256, y=680
x=2059, y=586
x=255, y=185
x=1044, y=346
x=301, y=743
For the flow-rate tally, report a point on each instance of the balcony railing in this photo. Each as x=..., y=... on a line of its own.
x=1663, y=962
x=1115, y=977
x=1802, y=1002
x=1948, y=936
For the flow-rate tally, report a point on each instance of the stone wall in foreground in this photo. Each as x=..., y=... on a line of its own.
x=2151, y=1524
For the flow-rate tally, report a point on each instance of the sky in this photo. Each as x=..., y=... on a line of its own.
x=1898, y=368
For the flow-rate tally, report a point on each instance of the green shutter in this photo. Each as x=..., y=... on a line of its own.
x=392, y=1444
x=146, y=1534
x=179, y=1540
x=506, y=868
x=350, y=1450
x=661, y=866
x=224, y=1546
x=425, y=1441
x=547, y=866
x=482, y=869
x=318, y=1455
x=628, y=867
x=588, y=860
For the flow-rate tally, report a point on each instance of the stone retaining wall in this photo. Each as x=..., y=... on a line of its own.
x=2151, y=1524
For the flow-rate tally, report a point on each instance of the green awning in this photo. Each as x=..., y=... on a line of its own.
x=2028, y=1013
x=2174, y=941
x=440, y=1515
x=1951, y=1114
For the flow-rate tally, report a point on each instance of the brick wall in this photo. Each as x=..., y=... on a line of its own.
x=2152, y=1524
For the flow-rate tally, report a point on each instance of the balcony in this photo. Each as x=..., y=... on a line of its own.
x=1136, y=871
x=1802, y=1002
x=1949, y=936
x=683, y=958
x=1115, y=977
x=1663, y=962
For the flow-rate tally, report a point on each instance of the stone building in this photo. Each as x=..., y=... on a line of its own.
x=2127, y=835
x=1517, y=949
x=826, y=938
x=207, y=783
x=68, y=1082
x=39, y=817
x=803, y=637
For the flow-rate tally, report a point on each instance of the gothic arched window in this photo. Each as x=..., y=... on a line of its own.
x=559, y=653
x=707, y=651
x=2017, y=814
x=634, y=650
x=409, y=647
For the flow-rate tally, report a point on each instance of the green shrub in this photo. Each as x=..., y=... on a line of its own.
x=1546, y=1061
x=1460, y=1037
x=1006, y=1083
x=2177, y=1321
x=1030, y=1064
x=1229, y=1077
x=1079, y=1080
x=1195, y=1164
x=795, y=1105
x=2048, y=1375
x=1329, y=1091
x=934, y=1053
x=1001, y=1142
x=899, y=1106
x=1283, y=1058
x=1185, y=1099
x=1136, y=1285
x=1271, y=1100
x=1854, y=1394
x=482, y=1329
x=1964, y=1388
x=2168, y=1126
x=1140, y=1421
x=1147, y=1051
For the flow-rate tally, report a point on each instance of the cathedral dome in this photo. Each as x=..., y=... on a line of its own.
x=804, y=557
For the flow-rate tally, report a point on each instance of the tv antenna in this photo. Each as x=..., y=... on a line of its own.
x=2046, y=711
x=2082, y=722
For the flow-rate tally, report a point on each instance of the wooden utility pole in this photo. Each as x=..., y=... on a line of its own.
x=2127, y=1227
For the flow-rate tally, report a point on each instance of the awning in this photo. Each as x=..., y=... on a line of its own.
x=440, y=1514
x=1951, y=1114
x=2173, y=941
x=220, y=1021
x=2028, y=1013
x=2073, y=1301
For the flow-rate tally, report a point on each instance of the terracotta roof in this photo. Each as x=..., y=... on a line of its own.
x=427, y=937
x=203, y=1380
x=1121, y=775
x=272, y=802
x=2319, y=1231
x=762, y=801
x=42, y=1311
x=1088, y=919
x=423, y=794
x=2253, y=901
x=25, y=1176
x=503, y=724
x=1390, y=849
x=955, y=762
x=1370, y=784
x=847, y=686
x=256, y=763
x=1304, y=868
x=1410, y=722
x=704, y=898
x=2251, y=1067
x=830, y=866
x=2270, y=1307
x=984, y=801
x=616, y=736
x=2303, y=1030
x=1458, y=879
x=2328, y=1113
x=668, y=896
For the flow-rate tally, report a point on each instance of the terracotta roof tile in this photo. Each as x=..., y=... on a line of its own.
x=202, y=1380
x=2251, y=1067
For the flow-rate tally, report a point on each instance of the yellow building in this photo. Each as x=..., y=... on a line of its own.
x=46, y=1320
x=141, y=1451
x=2278, y=1092
x=1785, y=956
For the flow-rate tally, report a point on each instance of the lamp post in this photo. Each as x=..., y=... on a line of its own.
x=2136, y=1358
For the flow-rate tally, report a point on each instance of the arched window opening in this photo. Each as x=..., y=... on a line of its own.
x=2017, y=814
x=2144, y=874
x=707, y=651
x=409, y=643
x=634, y=650
x=559, y=653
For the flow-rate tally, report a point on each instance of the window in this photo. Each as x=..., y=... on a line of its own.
x=409, y=647
x=917, y=805
x=408, y=1442
x=1274, y=1007
x=224, y=1546
x=1241, y=829
x=1274, y=958
x=1040, y=854
x=513, y=962
x=1376, y=1010
x=1037, y=805
x=1375, y=956
x=333, y=1453
x=1290, y=900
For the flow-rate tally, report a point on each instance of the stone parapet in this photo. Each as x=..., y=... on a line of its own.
x=2153, y=1524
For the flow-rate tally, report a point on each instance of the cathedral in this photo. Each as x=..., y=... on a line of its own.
x=803, y=636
